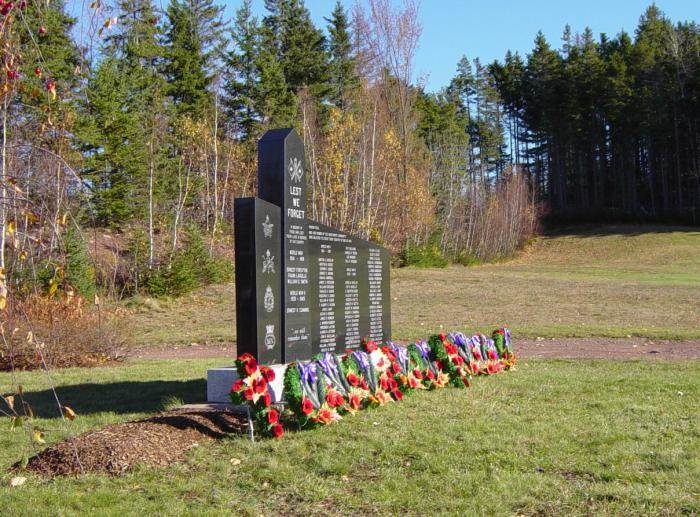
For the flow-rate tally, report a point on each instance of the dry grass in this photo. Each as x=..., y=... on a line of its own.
x=614, y=281
x=62, y=331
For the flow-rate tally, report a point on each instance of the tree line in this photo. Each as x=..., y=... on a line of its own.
x=608, y=127
x=138, y=126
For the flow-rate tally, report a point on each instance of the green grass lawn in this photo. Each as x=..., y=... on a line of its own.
x=552, y=437
x=610, y=282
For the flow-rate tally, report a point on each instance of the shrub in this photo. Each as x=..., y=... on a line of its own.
x=191, y=267
x=428, y=254
x=68, y=330
x=79, y=270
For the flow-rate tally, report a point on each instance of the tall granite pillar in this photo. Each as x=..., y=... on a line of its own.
x=282, y=181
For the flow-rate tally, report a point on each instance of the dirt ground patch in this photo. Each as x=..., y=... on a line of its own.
x=157, y=441
x=541, y=348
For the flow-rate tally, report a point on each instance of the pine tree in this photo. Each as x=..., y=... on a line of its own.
x=242, y=74
x=272, y=97
x=188, y=82
x=121, y=120
x=300, y=46
x=342, y=73
x=79, y=271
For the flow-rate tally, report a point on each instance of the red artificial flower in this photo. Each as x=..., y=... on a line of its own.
x=251, y=366
x=442, y=337
x=371, y=346
x=363, y=385
x=450, y=348
x=438, y=364
x=474, y=367
x=334, y=399
x=5, y=9
x=380, y=363
x=307, y=406
x=273, y=417
x=12, y=74
x=396, y=367
x=491, y=368
x=458, y=360
x=477, y=354
x=353, y=379
x=392, y=384
x=389, y=353
x=260, y=385
x=500, y=331
x=244, y=358
x=417, y=374
x=384, y=383
x=37, y=71
x=238, y=385
x=413, y=382
x=355, y=401
x=431, y=375
x=492, y=355
x=398, y=394
x=267, y=399
x=277, y=430
x=268, y=373
x=248, y=394
x=324, y=416
x=42, y=30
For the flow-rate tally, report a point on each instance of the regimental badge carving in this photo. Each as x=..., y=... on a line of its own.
x=269, y=299
x=296, y=170
x=268, y=263
x=267, y=227
x=269, y=337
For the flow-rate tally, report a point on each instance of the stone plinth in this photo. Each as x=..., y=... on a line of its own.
x=219, y=381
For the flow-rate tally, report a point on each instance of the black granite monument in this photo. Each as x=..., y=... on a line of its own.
x=301, y=287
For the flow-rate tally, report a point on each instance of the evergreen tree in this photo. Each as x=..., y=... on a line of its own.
x=342, y=73
x=188, y=82
x=121, y=117
x=242, y=75
x=79, y=271
x=273, y=99
x=300, y=46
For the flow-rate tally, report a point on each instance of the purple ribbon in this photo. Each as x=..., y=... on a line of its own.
x=307, y=372
x=424, y=349
x=362, y=359
x=507, y=337
x=475, y=340
x=328, y=364
x=401, y=353
x=458, y=339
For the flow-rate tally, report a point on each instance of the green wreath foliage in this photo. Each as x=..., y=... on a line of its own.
x=438, y=350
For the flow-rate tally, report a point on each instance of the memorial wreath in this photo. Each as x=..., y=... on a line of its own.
x=320, y=391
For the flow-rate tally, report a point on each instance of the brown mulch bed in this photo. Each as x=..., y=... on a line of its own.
x=157, y=441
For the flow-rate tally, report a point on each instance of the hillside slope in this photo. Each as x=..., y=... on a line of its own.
x=613, y=281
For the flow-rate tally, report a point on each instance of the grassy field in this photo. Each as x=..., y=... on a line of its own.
x=612, y=282
x=552, y=437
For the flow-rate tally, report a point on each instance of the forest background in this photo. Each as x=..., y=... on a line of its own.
x=127, y=134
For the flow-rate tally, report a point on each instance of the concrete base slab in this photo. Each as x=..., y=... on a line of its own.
x=219, y=381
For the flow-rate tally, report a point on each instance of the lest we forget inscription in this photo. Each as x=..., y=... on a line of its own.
x=301, y=287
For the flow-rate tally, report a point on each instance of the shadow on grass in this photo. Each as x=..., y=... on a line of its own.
x=117, y=397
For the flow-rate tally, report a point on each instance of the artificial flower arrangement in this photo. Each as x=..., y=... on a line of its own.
x=251, y=388
x=322, y=390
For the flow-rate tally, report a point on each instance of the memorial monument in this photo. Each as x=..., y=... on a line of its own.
x=302, y=288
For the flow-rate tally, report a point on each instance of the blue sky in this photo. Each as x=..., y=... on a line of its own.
x=486, y=29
